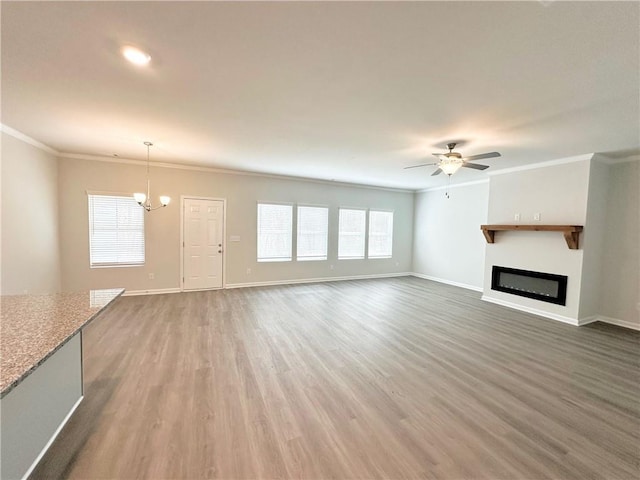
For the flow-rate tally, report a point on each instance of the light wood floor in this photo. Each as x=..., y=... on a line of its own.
x=389, y=378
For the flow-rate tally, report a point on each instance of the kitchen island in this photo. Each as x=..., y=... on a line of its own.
x=41, y=370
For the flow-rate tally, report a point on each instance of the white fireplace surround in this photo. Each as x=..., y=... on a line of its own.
x=567, y=194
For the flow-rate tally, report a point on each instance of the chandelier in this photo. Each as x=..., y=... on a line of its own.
x=144, y=200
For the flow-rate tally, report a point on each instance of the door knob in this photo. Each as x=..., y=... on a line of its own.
x=219, y=251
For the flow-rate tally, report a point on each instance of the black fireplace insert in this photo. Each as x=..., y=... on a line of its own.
x=546, y=287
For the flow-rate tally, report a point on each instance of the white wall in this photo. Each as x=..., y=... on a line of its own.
x=620, y=282
x=448, y=245
x=242, y=192
x=30, y=246
x=559, y=193
x=592, y=240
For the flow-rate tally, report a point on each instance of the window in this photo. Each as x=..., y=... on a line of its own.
x=380, y=234
x=116, y=231
x=313, y=231
x=274, y=232
x=351, y=232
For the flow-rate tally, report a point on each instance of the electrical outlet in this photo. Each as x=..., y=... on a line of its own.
x=397, y=264
x=152, y=276
x=516, y=217
x=537, y=217
x=330, y=267
x=248, y=271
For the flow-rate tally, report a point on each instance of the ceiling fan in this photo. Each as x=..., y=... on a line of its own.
x=451, y=161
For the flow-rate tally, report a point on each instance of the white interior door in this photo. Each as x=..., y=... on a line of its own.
x=203, y=225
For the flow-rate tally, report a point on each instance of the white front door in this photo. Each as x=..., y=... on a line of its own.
x=203, y=224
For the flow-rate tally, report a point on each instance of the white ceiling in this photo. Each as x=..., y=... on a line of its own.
x=347, y=91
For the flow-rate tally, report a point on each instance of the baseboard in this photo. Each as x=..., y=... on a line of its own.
x=315, y=280
x=448, y=282
x=587, y=320
x=155, y=291
x=160, y=291
x=535, y=311
x=561, y=318
x=51, y=440
x=618, y=322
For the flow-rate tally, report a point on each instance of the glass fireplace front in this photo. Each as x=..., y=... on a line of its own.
x=546, y=287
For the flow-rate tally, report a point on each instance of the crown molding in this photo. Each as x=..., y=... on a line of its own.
x=550, y=163
x=27, y=139
x=96, y=158
x=615, y=161
x=453, y=185
x=199, y=168
x=532, y=166
x=224, y=171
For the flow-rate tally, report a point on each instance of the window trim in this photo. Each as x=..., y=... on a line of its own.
x=297, y=232
x=101, y=265
x=393, y=214
x=293, y=226
x=365, y=234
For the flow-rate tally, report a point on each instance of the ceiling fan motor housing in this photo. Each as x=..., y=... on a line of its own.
x=451, y=155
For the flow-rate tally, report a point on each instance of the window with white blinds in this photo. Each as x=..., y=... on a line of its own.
x=351, y=233
x=380, y=234
x=274, y=232
x=313, y=231
x=116, y=231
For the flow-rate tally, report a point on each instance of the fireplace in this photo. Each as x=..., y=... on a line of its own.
x=546, y=287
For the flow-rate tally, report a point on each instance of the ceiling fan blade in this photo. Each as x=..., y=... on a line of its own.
x=481, y=156
x=421, y=165
x=475, y=166
x=437, y=172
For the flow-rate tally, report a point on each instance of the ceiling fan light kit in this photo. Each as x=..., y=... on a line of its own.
x=450, y=165
x=451, y=162
x=144, y=200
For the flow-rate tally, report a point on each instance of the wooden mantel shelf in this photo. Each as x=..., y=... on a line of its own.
x=570, y=232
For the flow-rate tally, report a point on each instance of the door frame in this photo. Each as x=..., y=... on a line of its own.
x=224, y=239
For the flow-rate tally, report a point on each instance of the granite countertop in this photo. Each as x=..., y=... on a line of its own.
x=33, y=327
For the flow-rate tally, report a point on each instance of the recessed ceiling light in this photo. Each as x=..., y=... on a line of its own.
x=136, y=56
